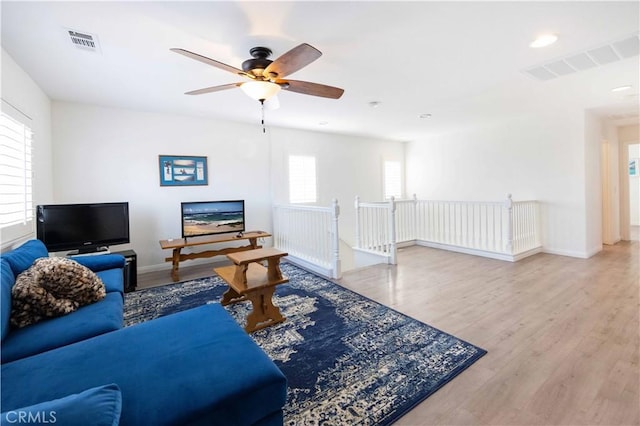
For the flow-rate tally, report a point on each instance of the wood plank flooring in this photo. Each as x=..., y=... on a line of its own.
x=562, y=334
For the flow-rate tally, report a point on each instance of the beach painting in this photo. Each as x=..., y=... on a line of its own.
x=180, y=170
x=214, y=217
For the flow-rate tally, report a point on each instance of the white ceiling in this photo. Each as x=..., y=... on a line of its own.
x=462, y=62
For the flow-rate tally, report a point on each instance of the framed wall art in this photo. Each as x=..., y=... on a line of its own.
x=183, y=170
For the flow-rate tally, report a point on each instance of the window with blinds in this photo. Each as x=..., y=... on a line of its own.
x=16, y=176
x=392, y=180
x=302, y=179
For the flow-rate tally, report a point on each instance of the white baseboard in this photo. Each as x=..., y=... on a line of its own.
x=568, y=253
x=304, y=264
x=363, y=257
x=482, y=253
x=475, y=252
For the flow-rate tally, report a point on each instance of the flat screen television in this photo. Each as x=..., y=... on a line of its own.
x=83, y=227
x=212, y=217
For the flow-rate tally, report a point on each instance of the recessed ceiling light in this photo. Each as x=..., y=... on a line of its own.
x=621, y=88
x=425, y=115
x=543, y=40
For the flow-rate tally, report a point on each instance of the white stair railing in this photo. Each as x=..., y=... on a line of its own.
x=473, y=225
x=375, y=228
x=525, y=227
x=406, y=220
x=503, y=230
x=309, y=235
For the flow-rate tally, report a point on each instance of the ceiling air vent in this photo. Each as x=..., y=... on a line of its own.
x=580, y=61
x=84, y=41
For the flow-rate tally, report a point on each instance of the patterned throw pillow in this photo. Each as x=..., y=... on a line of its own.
x=51, y=287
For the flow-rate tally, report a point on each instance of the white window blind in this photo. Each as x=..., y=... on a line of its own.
x=302, y=179
x=392, y=179
x=16, y=175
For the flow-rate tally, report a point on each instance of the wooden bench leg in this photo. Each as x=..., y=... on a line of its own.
x=264, y=313
x=176, y=265
x=240, y=275
x=231, y=296
x=273, y=269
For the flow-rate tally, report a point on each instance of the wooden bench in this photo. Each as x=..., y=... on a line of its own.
x=250, y=280
x=177, y=244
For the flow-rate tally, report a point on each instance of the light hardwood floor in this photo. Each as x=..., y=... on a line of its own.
x=562, y=334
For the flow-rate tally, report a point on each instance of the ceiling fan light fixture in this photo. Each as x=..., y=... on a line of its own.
x=260, y=90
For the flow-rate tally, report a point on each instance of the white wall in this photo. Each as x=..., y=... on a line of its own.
x=23, y=93
x=105, y=154
x=346, y=167
x=594, y=129
x=634, y=188
x=539, y=156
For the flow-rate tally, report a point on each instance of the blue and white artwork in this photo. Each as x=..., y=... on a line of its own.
x=183, y=170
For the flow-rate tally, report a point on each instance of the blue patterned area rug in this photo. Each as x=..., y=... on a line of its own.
x=348, y=360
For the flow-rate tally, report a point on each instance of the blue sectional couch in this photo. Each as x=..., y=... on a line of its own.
x=88, y=321
x=195, y=367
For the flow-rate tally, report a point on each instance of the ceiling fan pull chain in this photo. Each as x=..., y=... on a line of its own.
x=262, y=107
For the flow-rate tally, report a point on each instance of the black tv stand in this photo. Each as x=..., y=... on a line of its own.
x=130, y=270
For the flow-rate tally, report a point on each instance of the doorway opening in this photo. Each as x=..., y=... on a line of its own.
x=633, y=174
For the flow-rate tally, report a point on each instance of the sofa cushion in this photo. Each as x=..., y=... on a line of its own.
x=23, y=257
x=88, y=321
x=113, y=280
x=101, y=262
x=194, y=367
x=100, y=406
x=51, y=287
x=6, y=283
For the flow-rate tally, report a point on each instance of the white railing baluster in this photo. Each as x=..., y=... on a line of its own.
x=376, y=228
x=506, y=228
x=310, y=236
x=509, y=206
x=392, y=230
x=335, y=240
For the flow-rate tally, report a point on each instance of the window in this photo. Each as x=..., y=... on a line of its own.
x=302, y=179
x=16, y=179
x=392, y=180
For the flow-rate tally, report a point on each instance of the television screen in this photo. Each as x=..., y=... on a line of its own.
x=82, y=227
x=212, y=217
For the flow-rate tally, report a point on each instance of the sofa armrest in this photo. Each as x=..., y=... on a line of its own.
x=101, y=262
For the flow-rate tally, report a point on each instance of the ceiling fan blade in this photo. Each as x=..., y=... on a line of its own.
x=213, y=89
x=313, y=89
x=292, y=61
x=210, y=61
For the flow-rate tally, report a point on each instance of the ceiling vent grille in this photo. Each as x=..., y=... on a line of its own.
x=580, y=61
x=84, y=41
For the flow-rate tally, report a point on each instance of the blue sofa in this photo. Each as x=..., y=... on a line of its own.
x=195, y=367
x=88, y=321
